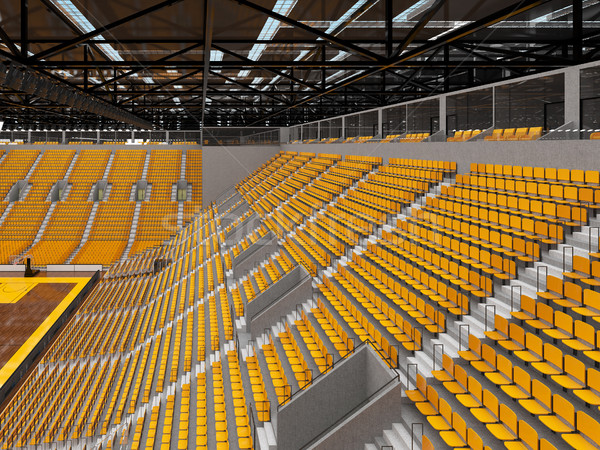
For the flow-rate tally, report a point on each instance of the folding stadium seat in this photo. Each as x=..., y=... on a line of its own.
x=527, y=310
x=430, y=406
x=473, y=398
x=591, y=393
x=501, y=329
x=574, y=376
x=419, y=394
x=517, y=338
x=533, y=349
x=540, y=403
x=520, y=132
x=507, y=133
x=563, y=418
x=474, y=351
x=426, y=443
x=456, y=138
x=447, y=371
x=562, y=326
x=495, y=136
x=586, y=435
x=488, y=360
x=507, y=428
x=552, y=363
x=583, y=337
x=591, y=305
x=457, y=437
x=522, y=387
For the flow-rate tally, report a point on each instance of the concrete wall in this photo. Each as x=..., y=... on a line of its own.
x=20, y=371
x=224, y=166
x=314, y=411
x=575, y=154
x=379, y=414
x=254, y=255
x=279, y=299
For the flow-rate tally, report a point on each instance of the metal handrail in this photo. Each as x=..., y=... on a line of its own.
x=486, y=314
x=460, y=328
x=366, y=342
x=434, y=353
x=590, y=238
x=412, y=433
x=564, y=261
x=537, y=278
x=512, y=301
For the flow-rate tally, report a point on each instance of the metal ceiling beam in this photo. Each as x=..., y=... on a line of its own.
x=251, y=90
x=132, y=72
x=267, y=65
x=470, y=52
x=342, y=26
x=526, y=53
x=276, y=72
x=577, y=31
x=160, y=87
x=9, y=43
x=209, y=14
x=291, y=41
x=346, y=45
x=87, y=36
x=423, y=20
x=24, y=28
x=498, y=16
x=389, y=27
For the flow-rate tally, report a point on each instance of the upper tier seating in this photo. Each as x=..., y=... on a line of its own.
x=414, y=137
x=515, y=134
x=463, y=135
x=153, y=358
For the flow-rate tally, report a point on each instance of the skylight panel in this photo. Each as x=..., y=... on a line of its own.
x=84, y=25
x=455, y=25
x=411, y=12
x=345, y=16
x=270, y=28
x=216, y=55
x=562, y=12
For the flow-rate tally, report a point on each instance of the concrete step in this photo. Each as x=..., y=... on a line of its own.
x=6, y=211
x=86, y=232
x=71, y=165
x=108, y=165
x=146, y=165
x=34, y=165
x=132, y=232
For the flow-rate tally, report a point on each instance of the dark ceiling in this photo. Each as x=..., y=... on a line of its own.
x=318, y=58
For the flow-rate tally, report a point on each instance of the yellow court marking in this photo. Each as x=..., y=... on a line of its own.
x=14, y=290
x=17, y=359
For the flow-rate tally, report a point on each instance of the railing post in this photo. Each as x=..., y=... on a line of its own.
x=460, y=328
x=590, y=239
x=512, y=300
x=408, y=366
x=486, y=314
x=434, y=352
x=412, y=433
x=537, y=278
x=564, y=261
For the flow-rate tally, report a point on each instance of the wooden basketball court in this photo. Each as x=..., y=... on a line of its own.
x=29, y=307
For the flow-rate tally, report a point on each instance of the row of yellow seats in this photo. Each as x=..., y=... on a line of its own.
x=576, y=176
x=515, y=134
x=415, y=137
x=390, y=137
x=463, y=135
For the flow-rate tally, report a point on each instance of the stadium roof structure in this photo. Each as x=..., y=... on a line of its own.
x=176, y=64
